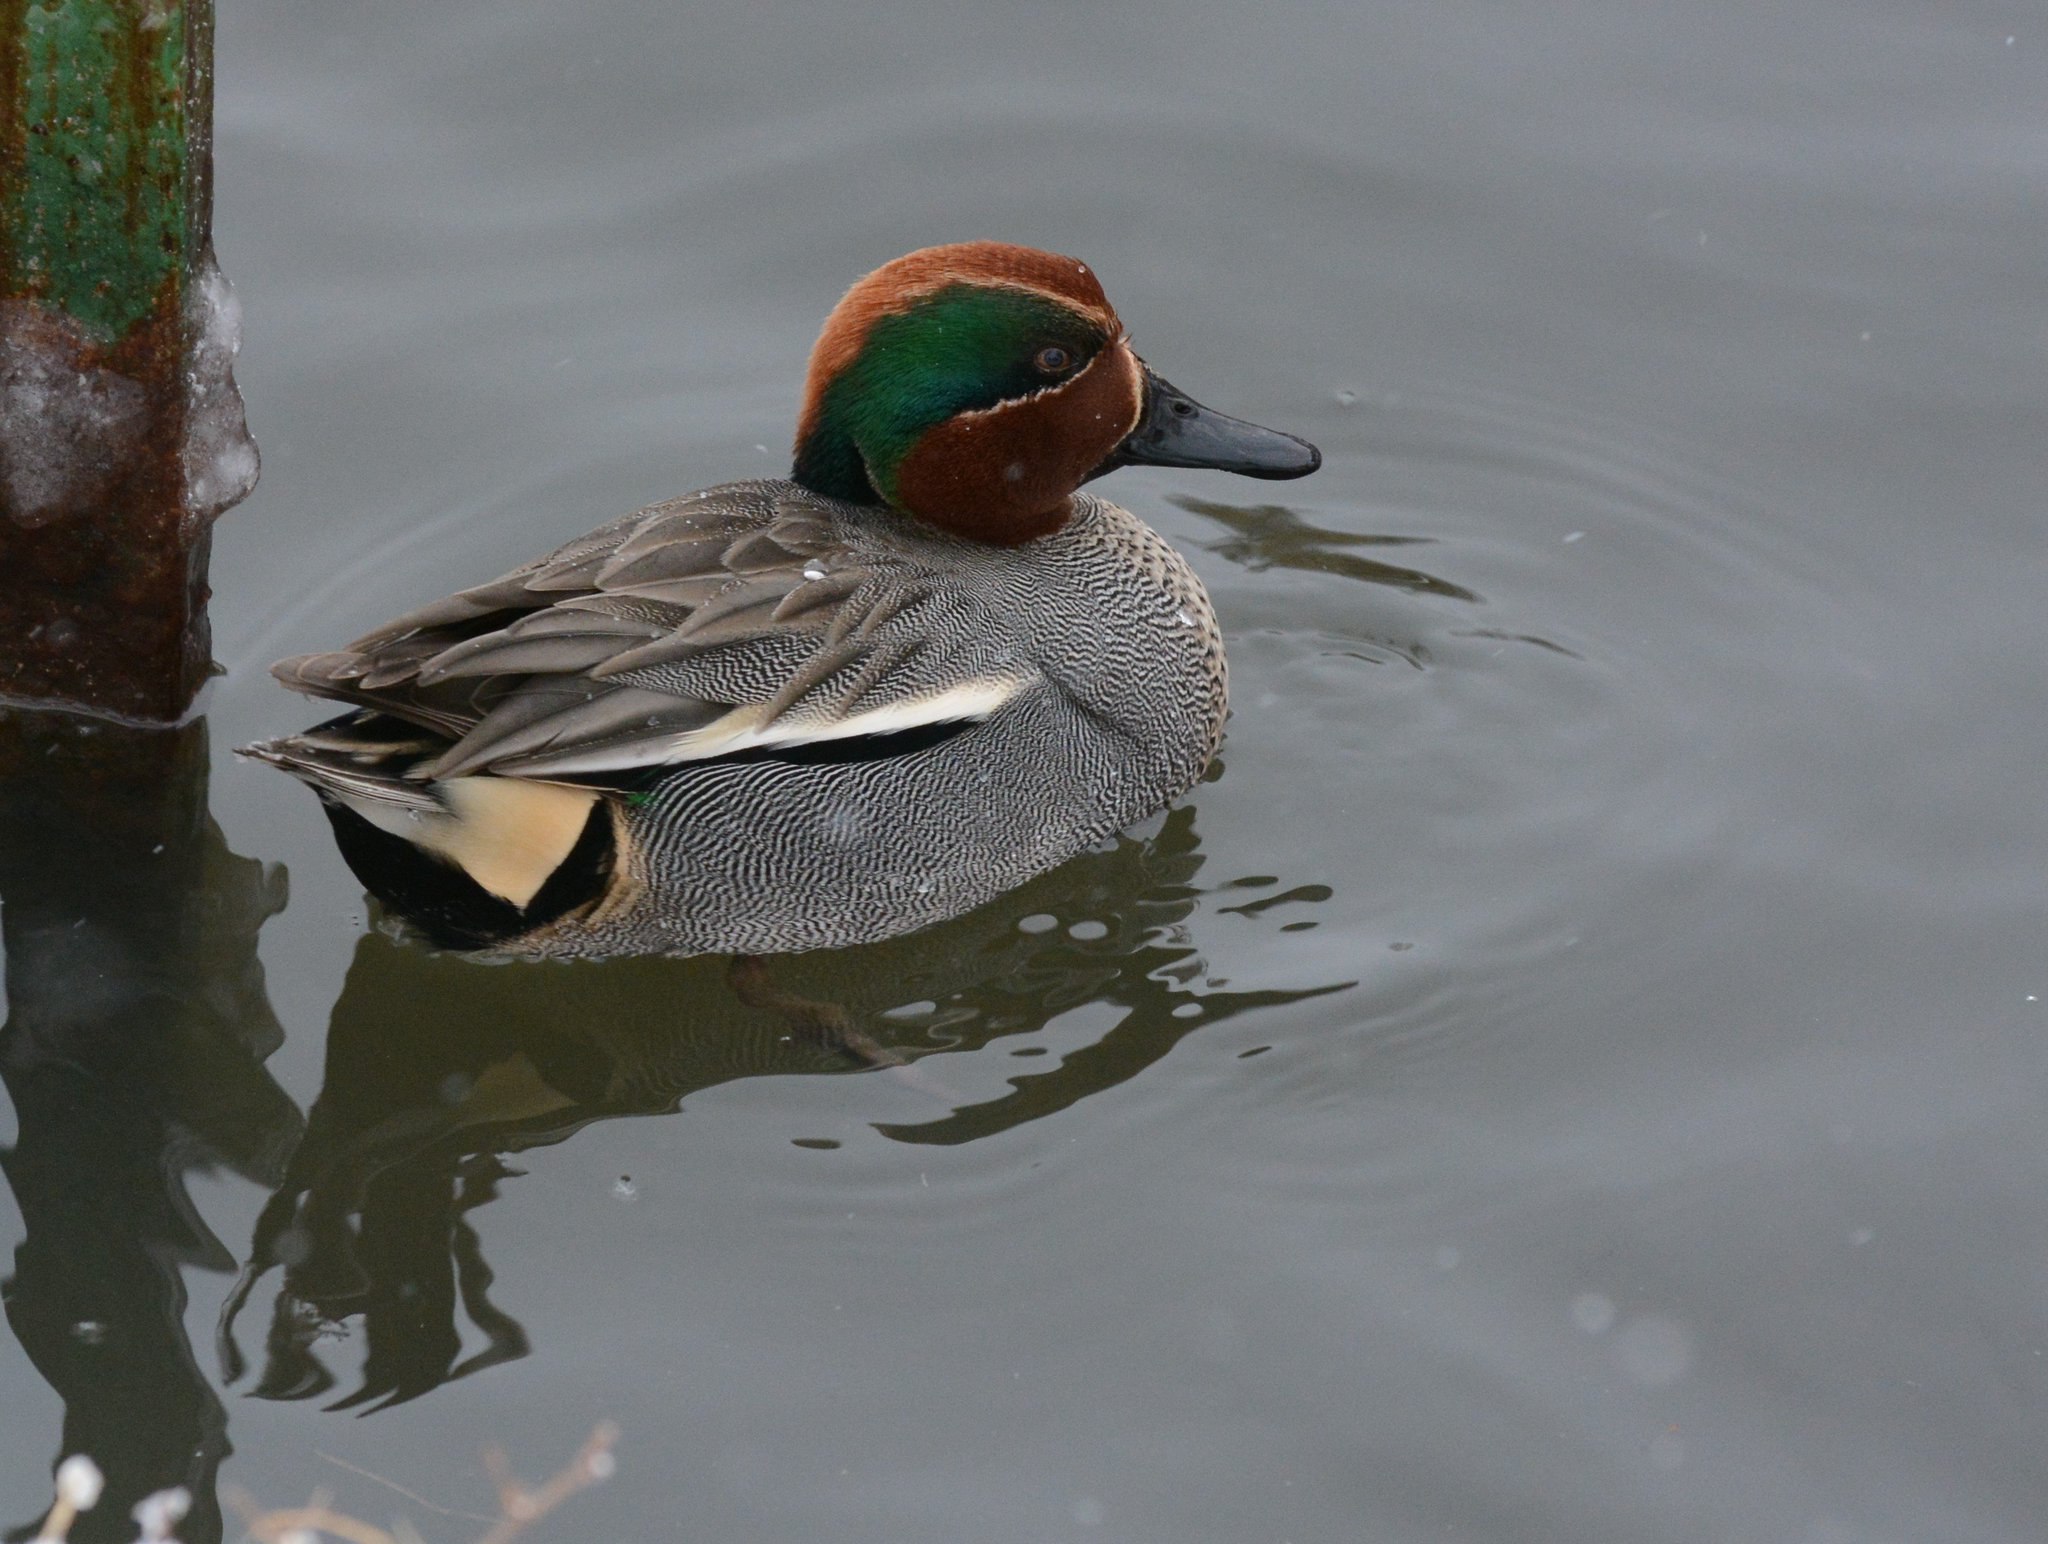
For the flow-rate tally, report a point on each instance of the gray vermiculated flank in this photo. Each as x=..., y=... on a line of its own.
x=771, y=857
x=1109, y=631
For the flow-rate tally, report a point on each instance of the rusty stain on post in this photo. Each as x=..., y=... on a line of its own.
x=121, y=433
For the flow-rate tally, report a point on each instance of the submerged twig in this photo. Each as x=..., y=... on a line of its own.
x=824, y=1024
x=827, y=1025
x=79, y=1484
x=519, y=1508
x=411, y=1495
x=78, y=1490
x=303, y=1524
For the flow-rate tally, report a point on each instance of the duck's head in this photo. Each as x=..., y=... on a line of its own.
x=976, y=386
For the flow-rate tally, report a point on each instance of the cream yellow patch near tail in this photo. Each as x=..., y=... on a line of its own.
x=507, y=834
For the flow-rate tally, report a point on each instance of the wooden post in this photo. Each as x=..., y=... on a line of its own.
x=121, y=431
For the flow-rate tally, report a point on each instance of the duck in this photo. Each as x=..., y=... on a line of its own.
x=817, y=711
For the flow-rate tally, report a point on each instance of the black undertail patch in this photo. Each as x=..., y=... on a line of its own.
x=452, y=910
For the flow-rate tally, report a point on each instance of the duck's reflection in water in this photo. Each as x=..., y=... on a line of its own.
x=438, y=1066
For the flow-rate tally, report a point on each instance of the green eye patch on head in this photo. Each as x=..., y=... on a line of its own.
x=959, y=349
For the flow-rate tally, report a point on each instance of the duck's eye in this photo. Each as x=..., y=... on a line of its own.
x=1052, y=360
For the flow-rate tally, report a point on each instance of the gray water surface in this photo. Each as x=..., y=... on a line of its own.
x=1576, y=1074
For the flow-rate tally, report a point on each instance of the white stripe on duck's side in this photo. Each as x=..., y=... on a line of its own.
x=758, y=726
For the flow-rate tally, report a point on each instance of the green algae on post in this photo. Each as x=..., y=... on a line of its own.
x=99, y=217
x=121, y=432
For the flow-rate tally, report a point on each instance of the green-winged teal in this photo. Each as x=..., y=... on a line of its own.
x=794, y=714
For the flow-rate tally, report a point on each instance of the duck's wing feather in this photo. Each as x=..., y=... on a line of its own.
x=737, y=619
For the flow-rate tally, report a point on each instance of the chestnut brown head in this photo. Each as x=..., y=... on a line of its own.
x=976, y=386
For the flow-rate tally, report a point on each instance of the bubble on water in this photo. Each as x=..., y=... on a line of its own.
x=1346, y=397
x=1038, y=922
x=917, y=1010
x=89, y=1332
x=1653, y=1350
x=1088, y=932
x=1593, y=1313
x=624, y=1188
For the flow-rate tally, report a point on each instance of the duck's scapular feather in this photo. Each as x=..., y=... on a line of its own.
x=734, y=619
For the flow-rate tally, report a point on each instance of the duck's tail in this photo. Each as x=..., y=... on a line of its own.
x=474, y=862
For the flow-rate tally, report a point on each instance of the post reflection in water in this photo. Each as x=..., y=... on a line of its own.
x=439, y=1066
x=133, y=1048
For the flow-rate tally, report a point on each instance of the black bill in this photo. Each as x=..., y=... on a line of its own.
x=1176, y=430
